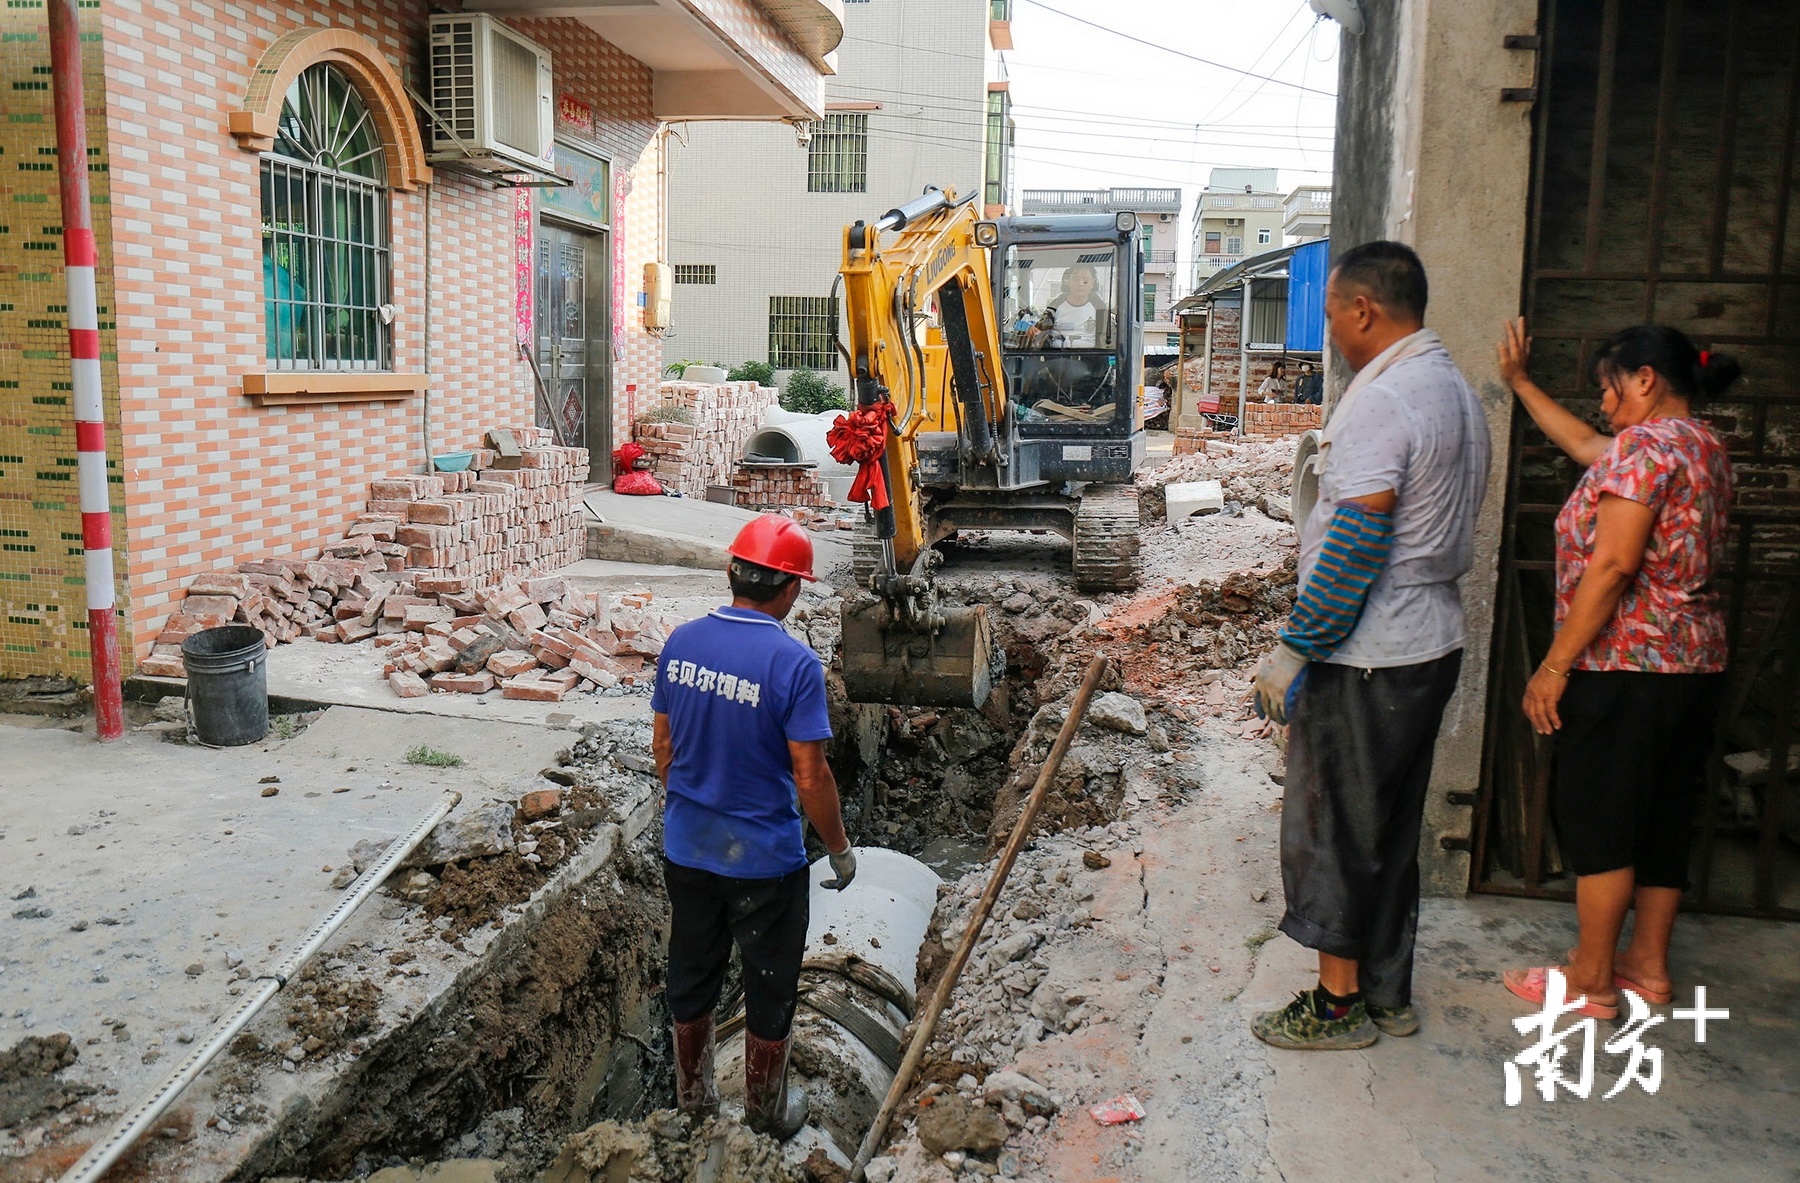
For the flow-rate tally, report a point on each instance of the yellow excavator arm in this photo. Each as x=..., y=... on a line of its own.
x=921, y=332
x=919, y=315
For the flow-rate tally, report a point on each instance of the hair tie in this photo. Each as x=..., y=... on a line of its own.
x=1705, y=358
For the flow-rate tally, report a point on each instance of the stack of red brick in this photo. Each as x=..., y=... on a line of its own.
x=726, y=414
x=442, y=532
x=1189, y=442
x=535, y=639
x=780, y=486
x=1279, y=419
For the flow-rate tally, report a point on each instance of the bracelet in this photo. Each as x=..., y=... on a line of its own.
x=1550, y=669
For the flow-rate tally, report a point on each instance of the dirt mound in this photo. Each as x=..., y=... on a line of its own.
x=667, y=1148
x=28, y=1084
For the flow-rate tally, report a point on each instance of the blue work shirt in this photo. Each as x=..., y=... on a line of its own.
x=736, y=689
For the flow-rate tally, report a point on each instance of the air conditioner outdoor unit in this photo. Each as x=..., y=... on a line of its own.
x=492, y=88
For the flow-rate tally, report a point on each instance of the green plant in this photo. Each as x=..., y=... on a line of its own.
x=808, y=393
x=759, y=372
x=676, y=368
x=425, y=754
x=667, y=413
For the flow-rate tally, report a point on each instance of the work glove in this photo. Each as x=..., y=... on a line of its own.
x=1279, y=676
x=844, y=863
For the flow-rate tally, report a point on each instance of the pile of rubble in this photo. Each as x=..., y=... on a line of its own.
x=536, y=639
x=421, y=536
x=1253, y=472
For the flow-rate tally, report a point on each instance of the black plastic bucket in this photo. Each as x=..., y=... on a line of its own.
x=228, y=684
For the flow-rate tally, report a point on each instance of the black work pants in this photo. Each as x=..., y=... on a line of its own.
x=767, y=919
x=1359, y=763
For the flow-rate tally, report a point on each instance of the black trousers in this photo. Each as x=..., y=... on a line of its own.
x=1630, y=759
x=767, y=919
x=1359, y=763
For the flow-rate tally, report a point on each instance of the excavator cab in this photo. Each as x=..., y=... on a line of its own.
x=1072, y=371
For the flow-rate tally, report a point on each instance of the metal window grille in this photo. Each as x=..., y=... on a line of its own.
x=999, y=145
x=325, y=231
x=1234, y=245
x=696, y=273
x=837, y=159
x=1149, y=301
x=802, y=330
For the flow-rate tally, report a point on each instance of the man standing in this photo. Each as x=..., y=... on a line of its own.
x=740, y=749
x=1370, y=656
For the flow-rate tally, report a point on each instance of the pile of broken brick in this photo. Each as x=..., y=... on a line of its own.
x=533, y=639
x=508, y=518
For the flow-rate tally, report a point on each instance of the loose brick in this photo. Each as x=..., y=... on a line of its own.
x=417, y=616
x=408, y=685
x=541, y=803
x=532, y=690
x=595, y=673
x=355, y=630
x=158, y=666
x=434, y=513
x=511, y=664
x=476, y=683
x=204, y=605
x=528, y=617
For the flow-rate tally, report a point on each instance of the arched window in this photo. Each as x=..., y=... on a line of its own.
x=325, y=230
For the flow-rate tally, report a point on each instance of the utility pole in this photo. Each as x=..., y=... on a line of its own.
x=79, y=258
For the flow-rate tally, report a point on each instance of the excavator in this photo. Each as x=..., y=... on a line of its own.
x=998, y=364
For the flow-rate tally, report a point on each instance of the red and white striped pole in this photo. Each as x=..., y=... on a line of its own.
x=84, y=363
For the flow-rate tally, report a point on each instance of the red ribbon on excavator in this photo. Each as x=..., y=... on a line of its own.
x=860, y=438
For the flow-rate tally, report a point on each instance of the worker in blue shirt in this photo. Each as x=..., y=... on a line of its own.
x=740, y=749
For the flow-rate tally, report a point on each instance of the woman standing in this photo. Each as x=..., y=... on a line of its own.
x=1274, y=387
x=1630, y=684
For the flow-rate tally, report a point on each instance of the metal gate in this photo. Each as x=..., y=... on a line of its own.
x=1665, y=156
x=571, y=319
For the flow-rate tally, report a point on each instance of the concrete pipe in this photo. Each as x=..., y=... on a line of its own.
x=856, y=997
x=1305, y=490
x=788, y=437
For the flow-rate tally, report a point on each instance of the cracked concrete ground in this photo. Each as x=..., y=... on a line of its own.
x=1181, y=953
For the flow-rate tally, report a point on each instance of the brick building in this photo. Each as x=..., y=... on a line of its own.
x=298, y=294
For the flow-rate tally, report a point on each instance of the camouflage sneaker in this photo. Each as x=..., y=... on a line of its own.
x=1395, y=1020
x=1298, y=1027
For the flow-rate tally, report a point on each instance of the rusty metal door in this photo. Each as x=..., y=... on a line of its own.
x=1662, y=191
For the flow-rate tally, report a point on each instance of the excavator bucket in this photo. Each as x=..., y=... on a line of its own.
x=886, y=661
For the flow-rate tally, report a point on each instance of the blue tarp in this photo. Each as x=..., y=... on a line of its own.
x=1307, y=272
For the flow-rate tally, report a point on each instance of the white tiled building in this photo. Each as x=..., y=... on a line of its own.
x=756, y=219
x=1240, y=214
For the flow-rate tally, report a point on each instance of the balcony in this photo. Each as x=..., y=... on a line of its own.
x=1100, y=201
x=1209, y=264
x=758, y=59
x=1307, y=212
x=1159, y=260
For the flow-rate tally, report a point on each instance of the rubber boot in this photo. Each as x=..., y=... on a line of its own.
x=696, y=1089
x=770, y=1106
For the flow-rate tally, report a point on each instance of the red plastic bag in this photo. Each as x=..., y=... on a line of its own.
x=630, y=479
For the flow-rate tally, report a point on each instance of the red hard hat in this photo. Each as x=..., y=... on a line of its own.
x=775, y=542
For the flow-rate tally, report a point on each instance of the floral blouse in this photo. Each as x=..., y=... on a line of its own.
x=1669, y=620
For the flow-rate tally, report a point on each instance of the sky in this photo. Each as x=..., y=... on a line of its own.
x=1096, y=109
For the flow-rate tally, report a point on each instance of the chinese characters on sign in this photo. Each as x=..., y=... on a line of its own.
x=1565, y=1059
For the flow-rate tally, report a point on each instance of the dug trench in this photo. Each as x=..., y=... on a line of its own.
x=548, y=1052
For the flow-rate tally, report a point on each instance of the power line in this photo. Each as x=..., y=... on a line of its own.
x=1064, y=114
x=1177, y=52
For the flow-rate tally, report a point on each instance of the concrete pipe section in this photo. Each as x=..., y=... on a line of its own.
x=856, y=997
x=788, y=437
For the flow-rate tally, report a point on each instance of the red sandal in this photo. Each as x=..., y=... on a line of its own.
x=1532, y=984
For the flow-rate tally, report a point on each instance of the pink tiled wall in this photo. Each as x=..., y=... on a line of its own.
x=210, y=478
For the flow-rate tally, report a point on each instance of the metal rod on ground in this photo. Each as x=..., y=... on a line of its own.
x=940, y=998
x=129, y=1128
x=79, y=260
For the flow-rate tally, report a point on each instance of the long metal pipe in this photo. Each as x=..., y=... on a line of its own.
x=129, y=1128
x=79, y=260
x=940, y=998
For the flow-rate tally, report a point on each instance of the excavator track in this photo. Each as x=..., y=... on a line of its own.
x=1106, y=538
